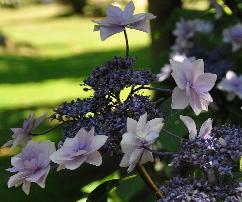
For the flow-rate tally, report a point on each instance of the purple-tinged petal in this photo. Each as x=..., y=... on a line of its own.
x=135, y=158
x=97, y=142
x=179, y=99
x=146, y=157
x=141, y=123
x=131, y=125
x=128, y=142
x=206, y=96
x=114, y=11
x=191, y=126
x=76, y=163
x=195, y=102
x=94, y=159
x=142, y=25
x=206, y=129
x=125, y=160
x=41, y=181
x=106, y=32
x=178, y=73
x=128, y=11
x=26, y=187
x=198, y=68
x=205, y=82
x=140, y=17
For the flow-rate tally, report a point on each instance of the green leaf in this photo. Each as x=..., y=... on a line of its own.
x=100, y=194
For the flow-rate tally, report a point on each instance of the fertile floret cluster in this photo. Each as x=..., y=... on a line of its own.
x=190, y=189
x=104, y=111
x=220, y=153
x=117, y=74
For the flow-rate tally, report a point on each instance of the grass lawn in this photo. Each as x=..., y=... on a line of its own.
x=48, y=58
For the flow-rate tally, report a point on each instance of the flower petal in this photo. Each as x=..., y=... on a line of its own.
x=97, y=142
x=74, y=164
x=26, y=187
x=198, y=68
x=178, y=74
x=125, y=160
x=142, y=25
x=129, y=142
x=106, y=32
x=191, y=126
x=140, y=17
x=135, y=158
x=205, y=82
x=196, y=102
x=179, y=99
x=206, y=129
x=141, y=123
x=146, y=157
x=114, y=11
x=154, y=125
x=94, y=159
x=131, y=125
x=128, y=11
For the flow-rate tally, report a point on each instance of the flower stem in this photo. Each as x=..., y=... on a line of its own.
x=50, y=129
x=159, y=153
x=172, y=134
x=165, y=91
x=127, y=43
x=146, y=177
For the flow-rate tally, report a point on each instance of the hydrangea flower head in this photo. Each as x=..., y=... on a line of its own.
x=232, y=84
x=22, y=135
x=117, y=20
x=138, y=135
x=205, y=129
x=192, y=85
x=82, y=148
x=233, y=35
x=32, y=165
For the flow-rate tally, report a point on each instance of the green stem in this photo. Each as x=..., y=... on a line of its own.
x=50, y=129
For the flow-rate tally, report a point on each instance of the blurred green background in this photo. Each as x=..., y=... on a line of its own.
x=47, y=53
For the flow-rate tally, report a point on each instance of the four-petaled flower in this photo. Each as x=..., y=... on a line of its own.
x=232, y=84
x=233, y=35
x=166, y=70
x=139, y=135
x=82, y=148
x=117, y=20
x=192, y=85
x=205, y=129
x=22, y=135
x=32, y=165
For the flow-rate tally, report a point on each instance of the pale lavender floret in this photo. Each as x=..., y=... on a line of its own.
x=185, y=31
x=232, y=84
x=32, y=165
x=22, y=135
x=233, y=35
x=82, y=148
x=117, y=20
x=166, y=70
x=205, y=129
x=138, y=135
x=193, y=85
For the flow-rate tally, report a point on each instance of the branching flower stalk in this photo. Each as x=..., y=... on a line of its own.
x=148, y=180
